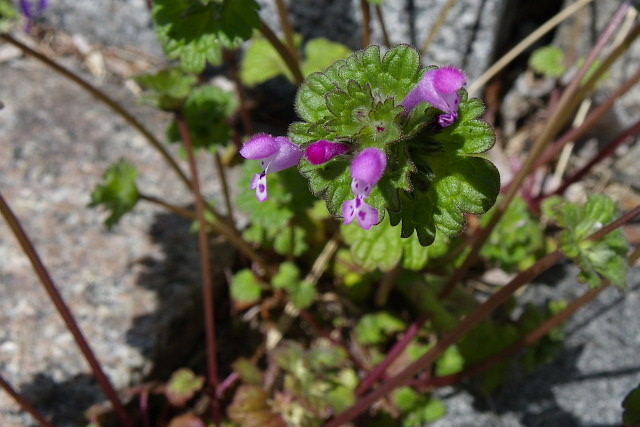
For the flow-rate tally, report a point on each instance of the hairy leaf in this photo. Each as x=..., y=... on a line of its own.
x=245, y=287
x=167, y=89
x=119, y=193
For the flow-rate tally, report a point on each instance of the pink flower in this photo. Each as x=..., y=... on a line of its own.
x=366, y=170
x=322, y=151
x=274, y=153
x=440, y=88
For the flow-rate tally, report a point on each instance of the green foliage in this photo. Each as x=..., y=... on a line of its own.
x=248, y=371
x=316, y=380
x=548, y=60
x=546, y=348
x=451, y=362
x=282, y=222
x=262, y=62
x=418, y=409
x=631, y=405
x=376, y=328
x=301, y=292
x=518, y=239
x=250, y=407
x=433, y=175
x=206, y=111
x=167, y=89
x=118, y=193
x=245, y=287
x=8, y=15
x=596, y=259
x=182, y=386
x=196, y=31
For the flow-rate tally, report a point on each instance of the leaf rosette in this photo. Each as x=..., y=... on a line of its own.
x=434, y=174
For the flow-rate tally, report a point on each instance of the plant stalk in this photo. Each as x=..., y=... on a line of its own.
x=435, y=29
x=225, y=189
x=24, y=403
x=559, y=116
x=366, y=23
x=205, y=268
x=284, y=53
x=287, y=29
x=383, y=26
x=63, y=309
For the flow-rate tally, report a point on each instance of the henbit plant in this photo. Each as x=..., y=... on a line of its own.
x=397, y=152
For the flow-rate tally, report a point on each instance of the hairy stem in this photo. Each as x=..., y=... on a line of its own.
x=205, y=268
x=104, y=98
x=284, y=53
x=63, y=309
x=24, y=403
x=185, y=213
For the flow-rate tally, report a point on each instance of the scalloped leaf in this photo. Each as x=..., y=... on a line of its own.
x=245, y=287
x=596, y=259
x=206, y=111
x=167, y=89
x=182, y=386
x=119, y=192
x=195, y=31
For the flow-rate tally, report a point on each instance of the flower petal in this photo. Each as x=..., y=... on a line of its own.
x=288, y=155
x=259, y=146
x=259, y=183
x=322, y=151
x=367, y=216
x=349, y=210
x=440, y=88
x=368, y=166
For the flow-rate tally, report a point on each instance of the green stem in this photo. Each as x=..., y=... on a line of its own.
x=63, y=309
x=24, y=403
x=104, y=98
x=284, y=53
x=205, y=268
x=558, y=118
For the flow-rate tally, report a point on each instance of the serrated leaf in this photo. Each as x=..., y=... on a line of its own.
x=291, y=241
x=262, y=62
x=288, y=273
x=206, y=111
x=245, y=287
x=167, y=89
x=118, y=193
x=182, y=386
x=376, y=328
x=548, y=60
x=320, y=53
x=517, y=240
x=596, y=259
x=196, y=31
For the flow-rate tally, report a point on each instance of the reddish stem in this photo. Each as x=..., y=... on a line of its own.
x=24, y=403
x=205, y=268
x=63, y=309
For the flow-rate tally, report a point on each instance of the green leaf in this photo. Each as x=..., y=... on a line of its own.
x=8, y=15
x=245, y=287
x=248, y=371
x=631, y=405
x=262, y=62
x=605, y=258
x=195, y=32
x=250, y=407
x=288, y=273
x=417, y=409
x=517, y=240
x=303, y=295
x=548, y=60
x=206, y=111
x=320, y=53
x=167, y=89
x=118, y=193
x=377, y=328
x=182, y=386
x=451, y=362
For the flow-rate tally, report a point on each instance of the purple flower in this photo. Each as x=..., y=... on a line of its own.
x=322, y=151
x=30, y=14
x=274, y=153
x=366, y=170
x=440, y=88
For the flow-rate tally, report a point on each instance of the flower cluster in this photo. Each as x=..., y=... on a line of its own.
x=438, y=87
